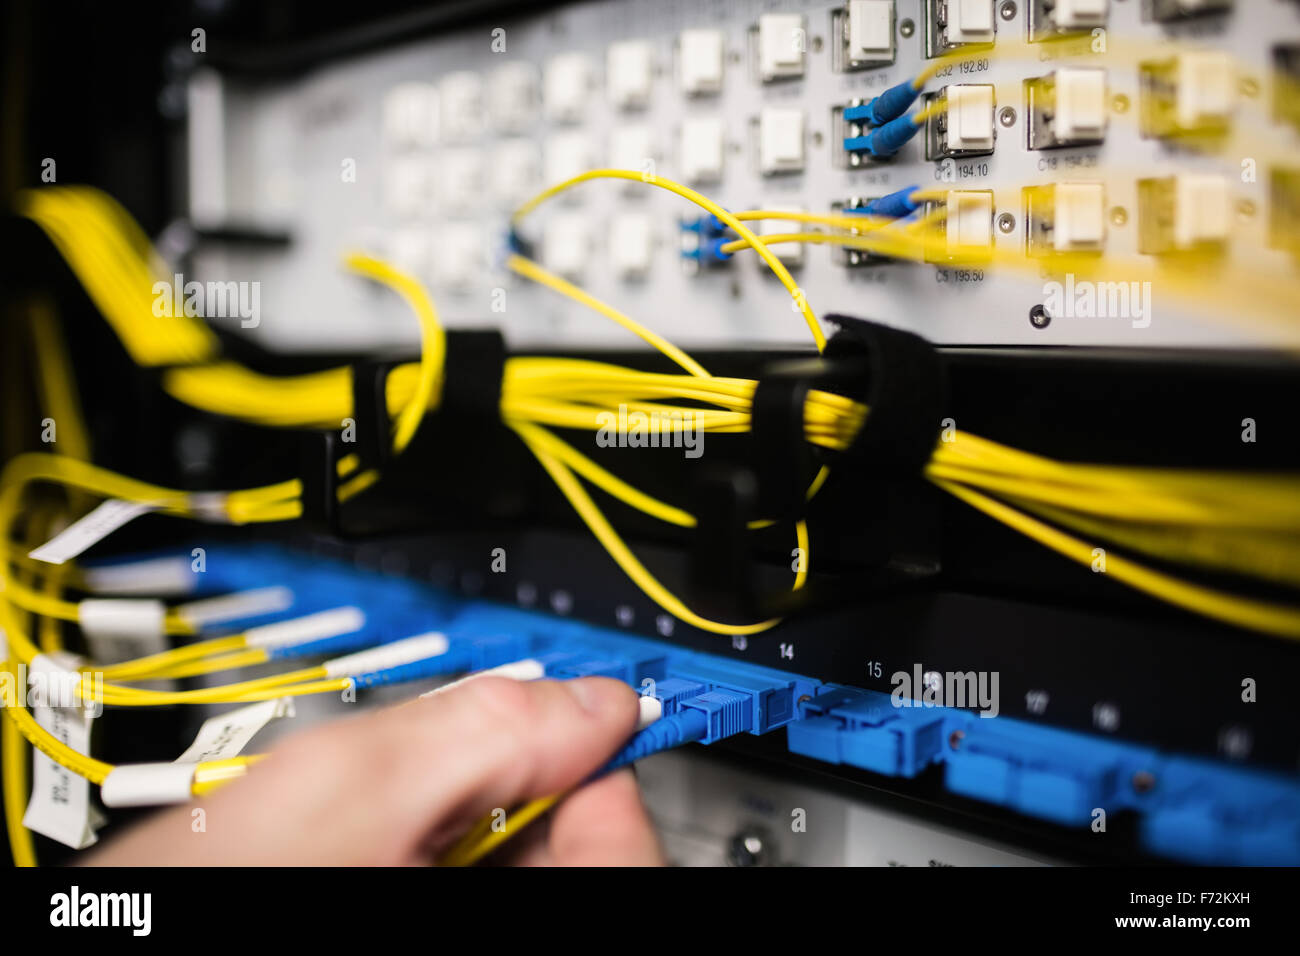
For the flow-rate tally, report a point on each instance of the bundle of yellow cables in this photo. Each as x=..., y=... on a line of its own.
x=1244, y=524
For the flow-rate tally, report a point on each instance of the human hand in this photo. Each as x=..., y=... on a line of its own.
x=398, y=786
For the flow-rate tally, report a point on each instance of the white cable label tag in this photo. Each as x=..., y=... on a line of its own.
x=226, y=735
x=147, y=784
x=60, y=805
x=90, y=529
x=122, y=629
x=168, y=576
x=241, y=604
x=220, y=738
x=311, y=627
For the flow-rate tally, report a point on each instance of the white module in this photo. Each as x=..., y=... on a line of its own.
x=781, y=45
x=1080, y=217
x=699, y=61
x=460, y=181
x=967, y=119
x=969, y=21
x=462, y=106
x=1201, y=210
x=1080, y=14
x=700, y=152
x=871, y=30
x=408, y=182
x=566, y=245
x=631, y=244
x=781, y=146
x=411, y=116
x=566, y=88
x=1080, y=105
x=969, y=227
x=516, y=171
x=630, y=148
x=1206, y=92
x=791, y=253
x=628, y=72
x=457, y=264
x=567, y=155
x=1040, y=146
x=513, y=97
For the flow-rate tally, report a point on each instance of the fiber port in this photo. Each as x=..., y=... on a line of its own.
x=862, y=143
x=1165, y=11
x=965, y=220
x=1187, y=214
x=862, y=35
x=778, y=43
x=1191, y=96
x=1050, y=774
x=790, y=253
x=855, y=258
x=1284, y=210
x=959, y=121
x=861, y=728
x=1065, y=219
x=1286, y=83
x=1207, y=813
x=1051, y=19
x=958, y=24
x=700, y=241
x=1066, y=108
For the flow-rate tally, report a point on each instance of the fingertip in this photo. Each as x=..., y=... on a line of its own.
x=604, y=698
x=604, y=823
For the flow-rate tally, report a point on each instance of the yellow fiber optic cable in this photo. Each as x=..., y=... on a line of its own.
x=778, y=268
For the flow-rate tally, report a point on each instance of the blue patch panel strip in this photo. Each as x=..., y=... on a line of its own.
x=1197, y=810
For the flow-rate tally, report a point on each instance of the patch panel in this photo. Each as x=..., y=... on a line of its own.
x=1196, y=810
x=956, y=24
x=1184, y=214
x=1191, y=809
x=1067, y=107
x=1054, y=19
x=721, y=115
x=1065, y=218
x=1192, y=95
x=781, y=147
x=965, y=217
x=779, y=45
x=855, y=258
x=862, y=35
x=959, y=121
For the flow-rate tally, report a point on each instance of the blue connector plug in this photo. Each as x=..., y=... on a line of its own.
x=884, y=141
x=894, y=206
x=666, y=733
x=889, y=105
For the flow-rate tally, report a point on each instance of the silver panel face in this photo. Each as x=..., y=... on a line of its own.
x=289, y=148
x=711, y=814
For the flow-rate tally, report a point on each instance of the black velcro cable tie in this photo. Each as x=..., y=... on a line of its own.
x=472, y=373
x=780, y=454
x=906, y=394
x=372, y=424
x=318, y=472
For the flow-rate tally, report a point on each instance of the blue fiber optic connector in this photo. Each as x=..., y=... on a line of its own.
x=889, y=105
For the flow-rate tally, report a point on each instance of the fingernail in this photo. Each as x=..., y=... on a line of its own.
x=596, y=696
